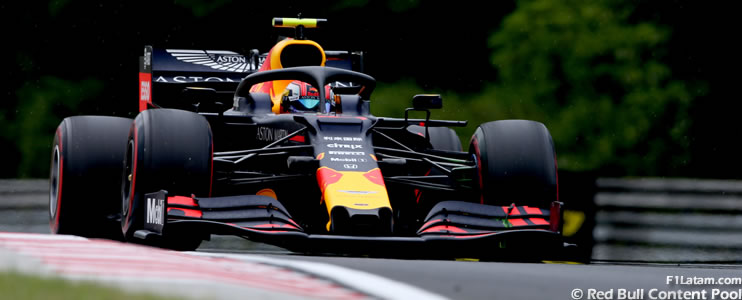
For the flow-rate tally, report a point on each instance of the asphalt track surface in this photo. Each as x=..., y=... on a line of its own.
x=23, y=204
x=495, y=280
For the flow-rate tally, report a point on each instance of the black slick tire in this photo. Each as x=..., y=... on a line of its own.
x=85, y=176
x=168, y=149
x=516, y=163
x=444, y=138
x=441, y=138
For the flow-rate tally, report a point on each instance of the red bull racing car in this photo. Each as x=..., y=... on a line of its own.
x=282, y=148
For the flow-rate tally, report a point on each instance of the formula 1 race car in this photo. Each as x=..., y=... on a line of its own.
x=282, y=148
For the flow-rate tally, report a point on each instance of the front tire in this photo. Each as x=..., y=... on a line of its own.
x=85, y=175
x=516, y=162
x=171, y=150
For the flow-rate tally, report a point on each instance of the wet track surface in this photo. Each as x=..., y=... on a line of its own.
x=23, y=209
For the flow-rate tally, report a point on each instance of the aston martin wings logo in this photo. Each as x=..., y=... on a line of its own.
x=219, y=60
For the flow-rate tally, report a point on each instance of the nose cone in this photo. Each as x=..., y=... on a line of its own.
x=369, y=222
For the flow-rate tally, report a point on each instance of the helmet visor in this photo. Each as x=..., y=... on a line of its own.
x=306, y=103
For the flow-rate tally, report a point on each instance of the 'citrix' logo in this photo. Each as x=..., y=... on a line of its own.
x=344, y=146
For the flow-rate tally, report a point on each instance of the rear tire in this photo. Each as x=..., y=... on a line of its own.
x=444, y=138
x=441, y=138
x=85, y=176
x=171, y=150
x=516, y=162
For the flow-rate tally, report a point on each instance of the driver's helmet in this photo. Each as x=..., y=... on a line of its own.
x=303, y=97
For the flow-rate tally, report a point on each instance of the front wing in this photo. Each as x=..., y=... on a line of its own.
x=452, y=229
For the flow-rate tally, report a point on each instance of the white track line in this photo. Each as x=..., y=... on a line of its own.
x=109, y=261
x=36, y=236
x=365, y=282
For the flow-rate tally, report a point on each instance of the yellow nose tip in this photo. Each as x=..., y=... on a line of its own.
x=129, y=177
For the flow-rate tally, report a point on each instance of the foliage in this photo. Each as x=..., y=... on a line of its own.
x=21, y=286
x=391, y=99
x=597, y=81
x=36, y=118
x=201, y=8
x=622, y=85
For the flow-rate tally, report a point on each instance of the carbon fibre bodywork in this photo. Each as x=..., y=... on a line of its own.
x=339, y=179
x=452, y=229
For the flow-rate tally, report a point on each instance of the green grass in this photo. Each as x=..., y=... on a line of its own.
x=21, y=286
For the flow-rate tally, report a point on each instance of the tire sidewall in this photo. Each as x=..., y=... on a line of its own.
x=131, y=199
x=55, y=197
x=516, y=163
x=82, y=193
x=157, y=165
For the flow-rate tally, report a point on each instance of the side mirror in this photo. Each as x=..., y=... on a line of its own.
x=427, y=101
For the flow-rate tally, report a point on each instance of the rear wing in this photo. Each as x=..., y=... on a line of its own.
x=165, y=75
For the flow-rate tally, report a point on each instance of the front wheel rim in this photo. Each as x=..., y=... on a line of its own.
x=54, y=182
x=128, y=176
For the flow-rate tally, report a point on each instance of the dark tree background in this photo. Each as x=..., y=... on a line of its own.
x=628, y=88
